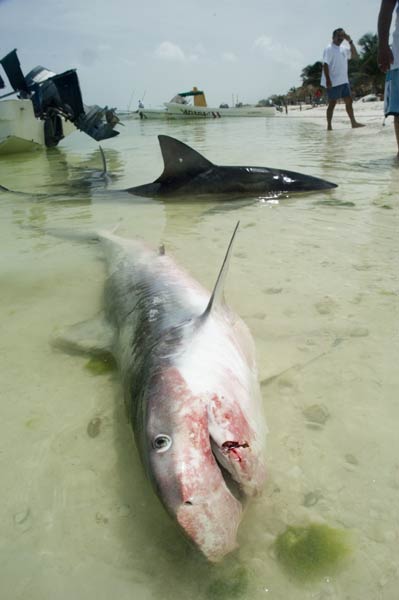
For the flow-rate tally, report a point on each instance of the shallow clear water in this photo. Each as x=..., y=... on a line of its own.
x=315, y=276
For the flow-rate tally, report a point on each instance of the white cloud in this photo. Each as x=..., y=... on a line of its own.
x=170, y=51
x=229, y=57
x=278, y=52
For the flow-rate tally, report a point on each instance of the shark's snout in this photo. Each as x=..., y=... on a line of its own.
x=211, y=526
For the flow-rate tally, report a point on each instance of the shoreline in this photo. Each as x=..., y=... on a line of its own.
x=365, y=112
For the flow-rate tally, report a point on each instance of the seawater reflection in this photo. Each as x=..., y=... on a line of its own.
x=315, y=276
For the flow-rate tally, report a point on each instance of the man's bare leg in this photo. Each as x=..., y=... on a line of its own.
x=330, y=110
x=349, y=109
x=396, y=125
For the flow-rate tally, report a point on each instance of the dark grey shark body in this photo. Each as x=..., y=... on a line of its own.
x=187, y=172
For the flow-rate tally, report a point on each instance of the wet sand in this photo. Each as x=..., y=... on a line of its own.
x=315, y=276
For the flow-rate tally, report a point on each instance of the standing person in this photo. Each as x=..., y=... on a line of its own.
x=388, y=60
x=335, y=74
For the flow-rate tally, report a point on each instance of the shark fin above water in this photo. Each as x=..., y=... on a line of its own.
x=180, y=160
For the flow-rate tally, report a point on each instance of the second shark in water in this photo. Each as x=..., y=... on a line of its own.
x=186, y=172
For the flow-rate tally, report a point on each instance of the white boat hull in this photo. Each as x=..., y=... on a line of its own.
x=174, y=110
x=20, y=130
x=13, y=145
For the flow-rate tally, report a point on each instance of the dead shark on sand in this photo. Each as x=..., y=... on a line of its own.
x=189, y=377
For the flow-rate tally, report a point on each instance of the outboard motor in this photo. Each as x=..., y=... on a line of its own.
x=56, y=96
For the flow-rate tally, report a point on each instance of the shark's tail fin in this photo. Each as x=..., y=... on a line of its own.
x=105, y=171
x=67, y=234
x=91, y=235
x=3, y=188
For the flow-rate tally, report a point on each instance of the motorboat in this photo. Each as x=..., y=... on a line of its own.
x=21, y=130
x=180, y=108
x=47, y=108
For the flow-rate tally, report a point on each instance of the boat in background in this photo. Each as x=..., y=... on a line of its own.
x=180, y=108
x=47, y=108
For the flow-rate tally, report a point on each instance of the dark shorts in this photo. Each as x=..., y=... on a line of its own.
x=391, y=96
x=339, y=91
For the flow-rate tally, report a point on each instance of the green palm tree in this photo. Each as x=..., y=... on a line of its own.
x=311, y=74
x=366, y=73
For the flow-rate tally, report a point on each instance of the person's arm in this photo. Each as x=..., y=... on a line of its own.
x=354, y=53
x=327, y=75
x=385, y=56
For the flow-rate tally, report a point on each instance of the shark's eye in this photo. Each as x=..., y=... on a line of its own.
x=162, y=442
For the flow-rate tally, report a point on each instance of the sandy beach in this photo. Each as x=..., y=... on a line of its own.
x=365, y=112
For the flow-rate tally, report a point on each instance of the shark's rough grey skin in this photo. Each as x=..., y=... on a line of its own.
x=186, y=172
x=189, y=377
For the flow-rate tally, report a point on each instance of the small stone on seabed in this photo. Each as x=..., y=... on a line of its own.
x=101, y=519
x=93, y=428
x=123, y=510
x=350, y=458
x=317, y=413
x=312, y=498
x=359, y=332
x=23, y=519
x=326, y=306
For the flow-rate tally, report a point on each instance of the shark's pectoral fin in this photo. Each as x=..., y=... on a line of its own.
x=93, y=338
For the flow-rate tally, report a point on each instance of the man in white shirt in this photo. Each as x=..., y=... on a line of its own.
x=388, y=60
x=335, y=74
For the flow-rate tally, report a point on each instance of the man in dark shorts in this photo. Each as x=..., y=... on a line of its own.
x=335, y=74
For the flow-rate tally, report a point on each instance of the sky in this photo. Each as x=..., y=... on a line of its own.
x=126, y=50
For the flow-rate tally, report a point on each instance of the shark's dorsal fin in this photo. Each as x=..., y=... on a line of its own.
x=217, y=297
x=180, y=160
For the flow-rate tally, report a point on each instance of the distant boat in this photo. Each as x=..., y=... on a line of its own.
x=48, y=107
x=180, y=108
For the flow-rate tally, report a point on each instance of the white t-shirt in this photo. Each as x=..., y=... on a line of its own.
x=336, y=57
x=395, y=40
